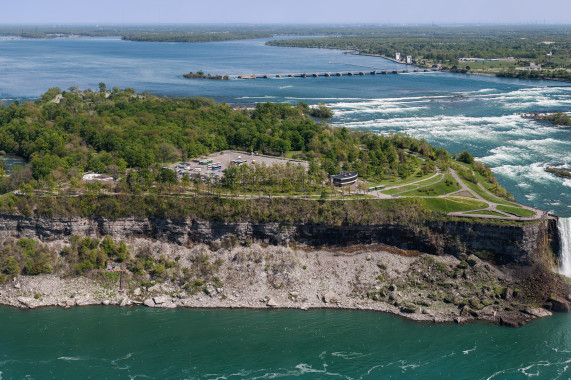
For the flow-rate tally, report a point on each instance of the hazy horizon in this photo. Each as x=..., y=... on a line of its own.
x=144, y=12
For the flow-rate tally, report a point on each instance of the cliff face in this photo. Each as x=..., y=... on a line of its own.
x=504, y=243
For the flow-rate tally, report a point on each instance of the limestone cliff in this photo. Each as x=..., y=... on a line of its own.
x=504, y=243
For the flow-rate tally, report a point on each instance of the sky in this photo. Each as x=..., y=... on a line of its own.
x=285, y=11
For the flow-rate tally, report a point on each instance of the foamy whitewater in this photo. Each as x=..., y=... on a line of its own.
x=564, y=225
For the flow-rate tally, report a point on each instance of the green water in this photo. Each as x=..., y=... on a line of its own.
x=112, y=342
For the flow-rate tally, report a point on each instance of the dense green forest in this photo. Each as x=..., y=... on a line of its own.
x=112, y=132
x=132, y=136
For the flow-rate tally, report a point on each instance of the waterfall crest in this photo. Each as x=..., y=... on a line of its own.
x=564, y=226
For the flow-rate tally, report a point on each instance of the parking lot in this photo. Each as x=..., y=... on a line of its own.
x=213, y=166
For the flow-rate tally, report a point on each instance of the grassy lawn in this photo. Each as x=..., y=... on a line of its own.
x=417, y=176
x=450, y=205
x=486, y=212
x=486, y=195
x=516, y=210
x=488, y=65
x=480, y=178
x=404, y=188
x=446, y=186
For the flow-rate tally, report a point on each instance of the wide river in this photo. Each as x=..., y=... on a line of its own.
x=456, y=112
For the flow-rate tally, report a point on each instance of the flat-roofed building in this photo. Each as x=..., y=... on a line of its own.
x=344, y=178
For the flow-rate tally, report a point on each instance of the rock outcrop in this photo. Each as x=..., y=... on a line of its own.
x=505, y=243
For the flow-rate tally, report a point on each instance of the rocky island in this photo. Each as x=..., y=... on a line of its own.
x=420, y=234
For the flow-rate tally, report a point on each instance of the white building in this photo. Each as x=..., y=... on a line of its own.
x=409, y=59
x=397, y=56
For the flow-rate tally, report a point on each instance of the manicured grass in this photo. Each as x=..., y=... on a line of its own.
x=482, y=180
x=450, y=205
x=486, y=195
x=417, y=176
x=446, y=186
x=516, y=210
x=488, y=65
x=400, y=189
x=486, y=212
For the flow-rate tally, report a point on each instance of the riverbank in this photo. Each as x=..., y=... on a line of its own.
x=410, y=284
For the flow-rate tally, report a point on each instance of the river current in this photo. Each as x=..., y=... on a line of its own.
x=454, y=111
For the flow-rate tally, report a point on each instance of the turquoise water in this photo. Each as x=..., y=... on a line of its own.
x=111, y=342
x=455, y=111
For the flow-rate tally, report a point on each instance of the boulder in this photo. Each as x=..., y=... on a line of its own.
x=160, y=300
x=538, y=312
x=409, y=309
x=559, y=304
x=137, y=292
x=124, y=302
x=105, y=302
x=70, y=302
x=17, y=285
x=149, y=302
x=82, y=301
x=210, y=290
x=27, y=302
x=509, y=322
x=272, y=303
x=329, y=297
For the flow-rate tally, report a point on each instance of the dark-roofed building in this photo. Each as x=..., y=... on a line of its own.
x=344, y=178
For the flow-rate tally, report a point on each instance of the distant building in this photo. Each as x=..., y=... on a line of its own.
x=344, y=178
x=409, y=60
x=397, y=56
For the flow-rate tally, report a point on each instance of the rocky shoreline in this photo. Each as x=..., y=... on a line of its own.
x=411, y=284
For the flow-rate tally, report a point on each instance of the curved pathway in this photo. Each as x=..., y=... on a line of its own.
x=492, y=206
